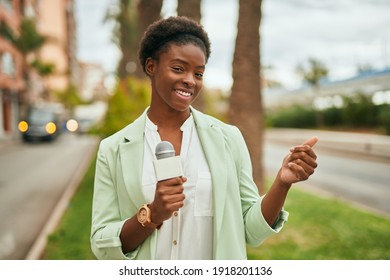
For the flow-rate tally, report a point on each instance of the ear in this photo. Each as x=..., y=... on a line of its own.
x=149, y=66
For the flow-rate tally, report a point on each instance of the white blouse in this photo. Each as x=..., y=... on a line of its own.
x=189, y=235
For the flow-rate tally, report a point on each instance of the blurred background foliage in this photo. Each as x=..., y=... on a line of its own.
x=358, y=113
x=130, y=98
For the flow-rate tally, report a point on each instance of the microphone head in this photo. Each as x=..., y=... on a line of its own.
x=164, y=149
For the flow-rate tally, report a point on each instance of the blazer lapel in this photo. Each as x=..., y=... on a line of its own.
x=131, y=159
x=213, y=143
x=131, y=154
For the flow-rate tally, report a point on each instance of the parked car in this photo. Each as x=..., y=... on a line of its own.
x=41, y=123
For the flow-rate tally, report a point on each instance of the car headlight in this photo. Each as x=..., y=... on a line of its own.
x=23, y=126
x=72, y=125
x=50, y=128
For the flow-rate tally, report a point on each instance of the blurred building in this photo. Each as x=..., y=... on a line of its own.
x=11, y=66
x=20, y=83
x=375, y=84
x=91, y=81
x=55, y=20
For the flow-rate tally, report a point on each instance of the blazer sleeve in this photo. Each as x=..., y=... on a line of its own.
x=106, y=220
x=257, y=229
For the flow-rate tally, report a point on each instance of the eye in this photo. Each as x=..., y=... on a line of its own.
x=199, y=75
x=177, y=69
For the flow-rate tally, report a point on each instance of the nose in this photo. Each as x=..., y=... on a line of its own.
x=189, y=80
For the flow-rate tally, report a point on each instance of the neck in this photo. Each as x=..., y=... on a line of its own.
x=168, y=119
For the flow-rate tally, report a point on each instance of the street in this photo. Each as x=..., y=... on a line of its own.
x=33, y=176
x=363, y=181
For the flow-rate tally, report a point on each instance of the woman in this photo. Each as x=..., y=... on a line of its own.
x=212, y=211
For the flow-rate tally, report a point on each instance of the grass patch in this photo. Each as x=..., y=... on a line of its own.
x=326, y=229
x=318, y=229
x=70, y=241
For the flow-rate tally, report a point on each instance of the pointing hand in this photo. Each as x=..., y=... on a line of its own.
x=300, y=163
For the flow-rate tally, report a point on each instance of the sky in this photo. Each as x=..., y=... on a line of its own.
x=342, y=34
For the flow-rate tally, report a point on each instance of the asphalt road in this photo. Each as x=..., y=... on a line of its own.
x=359, y=179
x=33, y=177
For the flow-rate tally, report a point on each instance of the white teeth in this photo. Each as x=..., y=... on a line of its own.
x=186, y=94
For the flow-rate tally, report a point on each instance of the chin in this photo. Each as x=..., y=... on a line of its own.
x=181, y=107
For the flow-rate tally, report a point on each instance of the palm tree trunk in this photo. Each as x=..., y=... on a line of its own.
x=134, y=17
x=127, y=38
x=148, y=12
x=192, y=9
x=245, y=108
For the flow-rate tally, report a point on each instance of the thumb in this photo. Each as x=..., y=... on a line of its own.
x=311, y=142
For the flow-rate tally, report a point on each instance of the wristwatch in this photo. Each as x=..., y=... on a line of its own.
x=144, y=217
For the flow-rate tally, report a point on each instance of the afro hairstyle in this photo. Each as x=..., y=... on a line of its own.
x=177, y=30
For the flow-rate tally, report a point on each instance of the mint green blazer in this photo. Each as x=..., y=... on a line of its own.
x=238, y=220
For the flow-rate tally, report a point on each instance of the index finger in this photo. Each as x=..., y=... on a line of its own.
x=174, y=181
x=311, y=142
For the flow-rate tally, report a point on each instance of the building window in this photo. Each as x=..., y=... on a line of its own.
x=7, y=64
x=7, y=4
x=29, y=11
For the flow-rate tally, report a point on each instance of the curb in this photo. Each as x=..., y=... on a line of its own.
x=39, y=245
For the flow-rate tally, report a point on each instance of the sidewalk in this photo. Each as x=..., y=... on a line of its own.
x=371, y=145
x=7, y=142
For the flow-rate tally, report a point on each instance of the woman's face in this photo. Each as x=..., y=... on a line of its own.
x=177, y=77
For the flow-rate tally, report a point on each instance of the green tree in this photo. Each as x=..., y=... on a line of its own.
x=312, y=74
x=358, y=111
x=29, y=39
x=131, y=18
x=124, y=35
x=246, y=108
x=131, y=96
x=44, y=69
x=384, y=118
x=70, y=98
x=6, y=32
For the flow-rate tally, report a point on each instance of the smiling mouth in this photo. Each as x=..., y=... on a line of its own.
x=183, y=93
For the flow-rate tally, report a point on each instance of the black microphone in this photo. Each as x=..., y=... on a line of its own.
x=167, y=165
